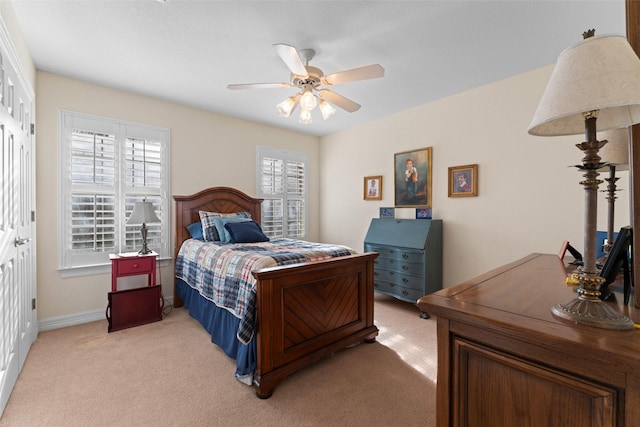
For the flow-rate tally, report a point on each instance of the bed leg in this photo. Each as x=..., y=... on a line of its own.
x=263, y=395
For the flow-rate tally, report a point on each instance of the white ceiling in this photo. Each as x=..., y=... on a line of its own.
x=187, y=51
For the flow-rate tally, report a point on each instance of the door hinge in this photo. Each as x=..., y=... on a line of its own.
x=33, y=304
x=33, y=216
x=33, y=128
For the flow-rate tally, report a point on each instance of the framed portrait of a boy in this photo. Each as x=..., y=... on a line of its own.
x=373, y=187
x=412, y=178
x=463, y=181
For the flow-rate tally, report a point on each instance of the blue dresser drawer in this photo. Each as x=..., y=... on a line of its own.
x=400, y=292
x=414, y=269
x=400, y=254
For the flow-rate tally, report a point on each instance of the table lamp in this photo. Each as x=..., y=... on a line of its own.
x=596, y=80
x=143, y=213
x=615, y=154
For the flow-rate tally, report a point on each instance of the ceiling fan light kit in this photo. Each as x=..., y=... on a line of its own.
x=308, y=79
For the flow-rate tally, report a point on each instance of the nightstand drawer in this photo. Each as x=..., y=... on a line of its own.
x=134, y=266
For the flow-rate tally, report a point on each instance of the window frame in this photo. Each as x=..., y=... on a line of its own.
x=78, y=263
x=286, y=156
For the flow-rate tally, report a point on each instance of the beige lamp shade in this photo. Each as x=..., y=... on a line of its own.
x=616, y=150
x=600, y=73
x=143, y=213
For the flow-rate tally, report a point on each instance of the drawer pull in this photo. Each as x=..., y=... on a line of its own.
x=136, y=265
x=392, y=252
x=405, y=280
x=405, y=256
x=392, y=285
x=391, y=273
x=375, y=273
x=404, y=292
x=405, y=267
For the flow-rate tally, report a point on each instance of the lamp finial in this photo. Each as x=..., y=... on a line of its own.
x=589, y=33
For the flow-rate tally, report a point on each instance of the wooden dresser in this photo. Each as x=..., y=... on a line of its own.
x=504, y=360
x=410, y=262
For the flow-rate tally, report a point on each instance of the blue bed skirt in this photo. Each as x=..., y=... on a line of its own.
x=222, y=325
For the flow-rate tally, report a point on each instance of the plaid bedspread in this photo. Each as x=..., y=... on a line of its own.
x=222, y=272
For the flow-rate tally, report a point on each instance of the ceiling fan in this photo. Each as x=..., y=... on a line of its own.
x=310, y=80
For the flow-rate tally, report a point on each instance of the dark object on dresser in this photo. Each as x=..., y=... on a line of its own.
x=410, y=261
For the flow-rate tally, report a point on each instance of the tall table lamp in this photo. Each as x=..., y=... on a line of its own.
x=143, y=213
x=615, y=155
x=596, y=80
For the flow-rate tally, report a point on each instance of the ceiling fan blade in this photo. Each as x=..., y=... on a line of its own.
x=368, y=72
x=290, y=56
x=257, y=85
x=339, y=100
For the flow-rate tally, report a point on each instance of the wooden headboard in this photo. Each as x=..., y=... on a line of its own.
x=215, y=199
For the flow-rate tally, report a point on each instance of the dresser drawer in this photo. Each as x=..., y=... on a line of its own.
x=400, y=254
x=393, y=277
x=399, y=266
x=411, y=295
x=134, y=266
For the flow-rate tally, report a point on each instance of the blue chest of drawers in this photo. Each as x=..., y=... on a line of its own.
x=410, y=262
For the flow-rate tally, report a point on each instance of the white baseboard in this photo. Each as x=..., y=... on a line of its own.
x=76, y=319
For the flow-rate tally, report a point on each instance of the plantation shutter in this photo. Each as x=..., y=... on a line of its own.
x=282, y=176
x=106, y=167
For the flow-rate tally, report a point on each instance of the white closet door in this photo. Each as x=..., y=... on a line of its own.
x=18, y=327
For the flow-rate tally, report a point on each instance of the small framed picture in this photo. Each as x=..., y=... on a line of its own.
x=423, y=213
x=387, y=212
x=463, y=181
x=373, y=187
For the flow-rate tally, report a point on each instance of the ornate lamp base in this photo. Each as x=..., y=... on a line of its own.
x=588, y=309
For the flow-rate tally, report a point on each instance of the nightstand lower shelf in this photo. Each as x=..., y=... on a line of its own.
x=134, y=307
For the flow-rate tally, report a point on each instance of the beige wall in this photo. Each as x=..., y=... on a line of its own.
x=207, y=150
x=529, y=199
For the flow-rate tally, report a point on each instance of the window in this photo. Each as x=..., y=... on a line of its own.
x=282, y=184
x=105, y=167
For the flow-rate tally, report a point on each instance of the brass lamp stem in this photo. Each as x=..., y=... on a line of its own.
x=587, y=308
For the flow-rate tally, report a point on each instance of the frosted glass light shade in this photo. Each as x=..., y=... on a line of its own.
x=600, y=73
x=305, y=117
x=326, y=109
x=308, y=101
x=616, y=150
x=288, y=105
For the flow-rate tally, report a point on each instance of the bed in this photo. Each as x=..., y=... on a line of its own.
x=303, y=311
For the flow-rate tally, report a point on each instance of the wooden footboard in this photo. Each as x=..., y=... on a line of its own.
x=304, y=311
x=308, y=311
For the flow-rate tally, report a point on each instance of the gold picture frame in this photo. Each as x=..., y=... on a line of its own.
x=412, y=187
x=373, y=187
x=463, y=181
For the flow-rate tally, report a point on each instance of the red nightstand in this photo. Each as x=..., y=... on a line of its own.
x=133, y=307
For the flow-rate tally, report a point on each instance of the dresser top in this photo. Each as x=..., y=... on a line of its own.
x=516, y=299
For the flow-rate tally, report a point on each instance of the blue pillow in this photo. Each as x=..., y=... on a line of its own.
x=220, y=223
x=245, y=232
x=209, y=230
x=195, y=230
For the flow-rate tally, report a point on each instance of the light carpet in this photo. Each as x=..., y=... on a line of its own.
x=169, y=373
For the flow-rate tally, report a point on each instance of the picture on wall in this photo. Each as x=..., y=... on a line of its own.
x=412, y=178
x=373, y=187
x=387, y=212
x=463, y=181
